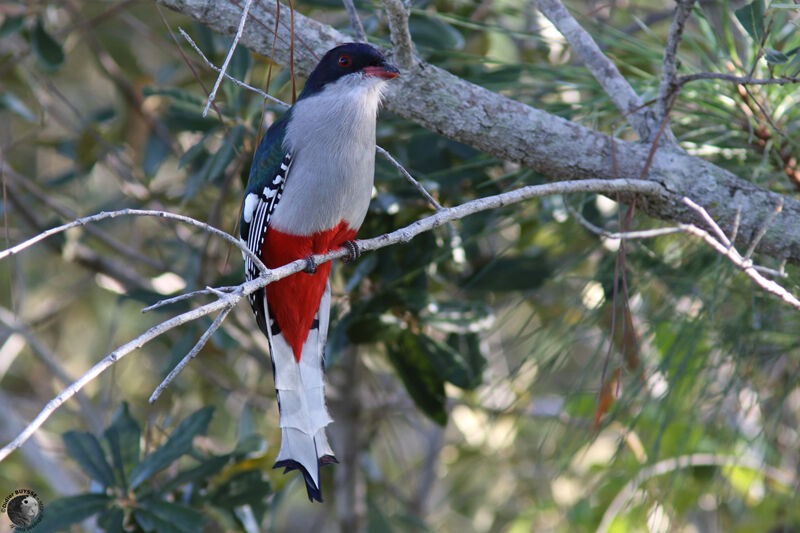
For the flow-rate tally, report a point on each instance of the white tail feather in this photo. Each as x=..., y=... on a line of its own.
x=301, y=397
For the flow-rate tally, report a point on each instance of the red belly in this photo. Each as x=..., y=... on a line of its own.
x=294, y=300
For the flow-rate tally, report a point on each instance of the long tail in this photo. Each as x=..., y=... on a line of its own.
x=301, y=401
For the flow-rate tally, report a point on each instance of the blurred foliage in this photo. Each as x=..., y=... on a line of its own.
x=502, y=385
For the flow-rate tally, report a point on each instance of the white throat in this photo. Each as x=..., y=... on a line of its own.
x=331, y=136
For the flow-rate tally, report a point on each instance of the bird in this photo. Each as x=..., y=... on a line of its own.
x=308, y=192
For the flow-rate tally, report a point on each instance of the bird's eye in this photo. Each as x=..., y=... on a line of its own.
x=344, y=61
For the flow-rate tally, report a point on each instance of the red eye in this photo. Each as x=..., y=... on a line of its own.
x=344, y=60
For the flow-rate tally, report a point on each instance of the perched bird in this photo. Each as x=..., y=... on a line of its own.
x=308, y=193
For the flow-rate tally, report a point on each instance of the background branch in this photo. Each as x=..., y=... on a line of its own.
x=516, y=132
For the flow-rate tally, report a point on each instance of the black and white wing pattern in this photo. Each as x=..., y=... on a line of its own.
x=259, y=204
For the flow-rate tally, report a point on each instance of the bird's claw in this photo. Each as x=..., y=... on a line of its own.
x=311, y=265
x=355, y=252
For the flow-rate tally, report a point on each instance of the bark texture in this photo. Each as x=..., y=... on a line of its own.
x=508, y=129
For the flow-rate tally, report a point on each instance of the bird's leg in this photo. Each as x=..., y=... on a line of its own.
x=311, y=265
x=355, y=253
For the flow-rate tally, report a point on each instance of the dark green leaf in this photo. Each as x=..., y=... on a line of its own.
x=194, y=151
x=450, y=364
x=61, y=514
x=47, y=50
x=372, y=327
x=15, y=105
x=422, y=382
x=199, y=474
x=167, y=517
x=112, y=521
x=87, y=452
x=123, y=437
x=155, y=153
x=430, y=32
x=751, y=18
x=775, y=57
x=511, y=274
x=243, y=488
x=240, y=63
x=178, y=444
x=11, y=25
x=220, y=160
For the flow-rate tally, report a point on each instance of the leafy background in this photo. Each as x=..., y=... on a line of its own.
x=465, y=368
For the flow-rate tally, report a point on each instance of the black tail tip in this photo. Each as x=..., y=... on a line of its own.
x=314, y=492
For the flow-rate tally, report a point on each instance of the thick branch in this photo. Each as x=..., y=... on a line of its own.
x=513, y=131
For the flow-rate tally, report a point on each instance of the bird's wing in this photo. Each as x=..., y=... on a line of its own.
x=268, y=174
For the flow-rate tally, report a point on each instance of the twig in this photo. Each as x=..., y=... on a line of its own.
x=402, y=45
x=740, y=80
x=417, y=185
x=699, y=459
x=355, y=21
x=763, y=229
x=192, y=353
x=134, y=212
x=228, y=57
x=604, y=71
x=231, y=78
x=667, y=91
x=169, y=301
x=710, y=221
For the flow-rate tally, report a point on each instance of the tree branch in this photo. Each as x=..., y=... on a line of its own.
x=516, y=132
x=227, y=300
x=402, y=46
x=603, y=70
x=669, y=86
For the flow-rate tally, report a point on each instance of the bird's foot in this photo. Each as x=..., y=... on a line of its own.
x=311, y=265
x=355, y=253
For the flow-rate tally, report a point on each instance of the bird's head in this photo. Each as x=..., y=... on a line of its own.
x=358, y=63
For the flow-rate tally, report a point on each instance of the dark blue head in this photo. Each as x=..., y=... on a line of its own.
x=347, y=59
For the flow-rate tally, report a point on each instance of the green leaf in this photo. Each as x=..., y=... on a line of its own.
x=87, y=452
x=220, y=160
x=209, y=467
x=775, y=57
x=179, y=443
x=61, y=514
x=248, y=487
x=112, y=521
x=155, y=153
x=420, y=378
x=751, y=17
x=123, y=437
x=15, y=105
x=460, y=369
x=167, y=517
x=434, y=33
x=240, y=63
x=11, y=25
x=511, y=274
x=47, y=50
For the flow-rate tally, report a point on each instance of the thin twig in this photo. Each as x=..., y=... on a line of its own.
x=762, y=230
x=228, y=76
x=739, y=80
x=355, y=21
x=228, y=57
x=417, y=185
x=667, y=91
x=191, y=355
x=604, y=71
x=134, y=212
x=710, y=221
x=402, y=45
x=187, y=296
x=670, y=465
